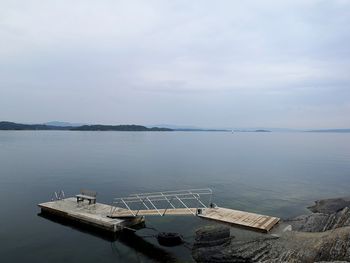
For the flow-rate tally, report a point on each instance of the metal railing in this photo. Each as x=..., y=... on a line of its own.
x=162, y=201
x=59, y=195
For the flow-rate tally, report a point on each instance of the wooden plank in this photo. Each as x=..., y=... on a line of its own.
x=271, y=225
x=240, y=218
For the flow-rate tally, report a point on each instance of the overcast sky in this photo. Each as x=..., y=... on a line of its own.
x=202, y=63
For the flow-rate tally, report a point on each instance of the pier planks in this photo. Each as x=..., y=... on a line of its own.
x=240, y=218
x=252, y=221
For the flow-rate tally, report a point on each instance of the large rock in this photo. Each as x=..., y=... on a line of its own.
x=320, y=222
x=323, y=236
x=290, y=247
x=329, y=206
x=210, y=236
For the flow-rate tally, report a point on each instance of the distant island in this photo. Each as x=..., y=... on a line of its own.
x=332, y=130
x=262, y=131
x=200, y=130
x=6, y=125
x=117, y=128
x=67, y=126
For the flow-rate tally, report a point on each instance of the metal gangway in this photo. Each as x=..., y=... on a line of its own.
x=180, y=202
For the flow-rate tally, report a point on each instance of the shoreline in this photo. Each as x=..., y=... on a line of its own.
x=322, y=235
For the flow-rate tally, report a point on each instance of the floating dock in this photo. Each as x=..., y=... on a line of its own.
x=95, y=215
x=114, y=217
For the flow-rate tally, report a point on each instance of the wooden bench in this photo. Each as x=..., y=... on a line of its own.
x=87, y=195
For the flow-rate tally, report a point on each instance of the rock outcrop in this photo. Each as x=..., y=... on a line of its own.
x=210, y=236
x=320, y=222
x=290, y=247
x=323, y=236
x=329, y=206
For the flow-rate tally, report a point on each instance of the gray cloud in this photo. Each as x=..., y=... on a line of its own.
x=228, y=63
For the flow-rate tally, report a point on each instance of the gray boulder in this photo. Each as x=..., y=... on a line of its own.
x=323, y=236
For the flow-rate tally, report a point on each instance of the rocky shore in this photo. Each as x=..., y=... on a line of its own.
x=322, y=236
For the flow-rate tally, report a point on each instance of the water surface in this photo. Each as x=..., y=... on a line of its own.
x=272, y=173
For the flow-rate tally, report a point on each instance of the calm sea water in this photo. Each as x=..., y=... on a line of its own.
x=272, y=173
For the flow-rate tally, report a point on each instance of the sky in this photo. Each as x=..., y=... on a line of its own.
x=202, y=63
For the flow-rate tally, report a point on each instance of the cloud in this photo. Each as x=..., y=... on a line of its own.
x=163, y=53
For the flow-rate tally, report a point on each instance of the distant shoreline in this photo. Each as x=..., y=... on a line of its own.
x=13, y=126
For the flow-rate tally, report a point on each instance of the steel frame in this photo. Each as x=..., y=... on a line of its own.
x=152, y=201
x=59, y=195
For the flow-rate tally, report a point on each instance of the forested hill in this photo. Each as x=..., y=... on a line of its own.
x=117, y=128
x=6, y=125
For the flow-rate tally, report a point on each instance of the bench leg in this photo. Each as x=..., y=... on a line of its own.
x=81, y=199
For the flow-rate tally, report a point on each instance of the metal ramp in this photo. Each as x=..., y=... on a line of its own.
x=180, y=202
x=196, y=202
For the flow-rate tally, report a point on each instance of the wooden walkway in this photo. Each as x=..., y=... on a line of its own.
x=253, y=221
x=248, y=220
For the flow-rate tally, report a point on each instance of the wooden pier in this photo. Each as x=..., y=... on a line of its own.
x=95, y=215
x=261, y=223
x=114, y=217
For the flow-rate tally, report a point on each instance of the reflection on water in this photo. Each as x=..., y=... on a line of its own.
x=126, y=237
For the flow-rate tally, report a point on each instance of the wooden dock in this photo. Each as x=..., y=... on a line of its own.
x=84, y=209
x=95, y=215
x=247, y=220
